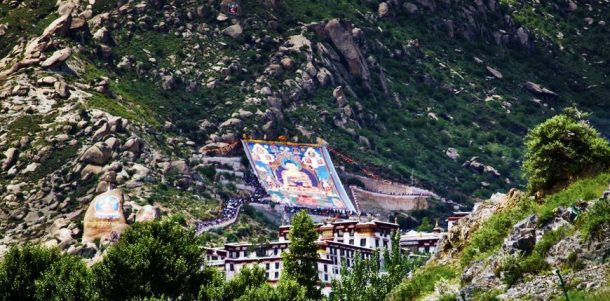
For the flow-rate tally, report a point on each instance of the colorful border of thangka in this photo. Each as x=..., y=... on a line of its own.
x=297, y=174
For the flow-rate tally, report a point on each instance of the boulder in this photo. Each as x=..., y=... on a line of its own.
x=57, y=57
x=59, y=26
x=537, y=89
x=233, y=31
x=231, y=122
x=102, y=132
x=287, y=63
x=168, y=83
x=104, y=218
x=497, y=74
x=340, y=34
x=133, y=145
x=98, y=154
x=147, y=213
x=62, y=89
x=384, y=10
x=11, y=157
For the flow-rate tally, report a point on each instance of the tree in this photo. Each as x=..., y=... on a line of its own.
x=367, y=280
x=425, y=225
x=301, y=259
x=21, y=267
x=220, y=290
x=286, y=290
x=154, y=259
x=69, y=278
x=562, y=148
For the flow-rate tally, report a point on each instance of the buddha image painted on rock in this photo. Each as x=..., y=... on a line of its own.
x=107, y=207
x=295, y=174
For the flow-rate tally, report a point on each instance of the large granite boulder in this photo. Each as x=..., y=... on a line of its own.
x=147, y=213
x=104, y=219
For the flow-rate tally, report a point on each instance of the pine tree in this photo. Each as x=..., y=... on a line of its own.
x=300, y=261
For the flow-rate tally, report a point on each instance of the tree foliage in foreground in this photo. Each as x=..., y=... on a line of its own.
x=153, y=259
x=301, y=260
x=367, y=280
x=562, y=148
x=20, y=267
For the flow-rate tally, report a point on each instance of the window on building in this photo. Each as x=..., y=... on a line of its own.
x=231, y=268
x=267, y=265
x=325, y=268
x=246, y=253
x=326, y=277
x=267, y=275
x=351, y=241
x=277, y=265
x=363, y=242
x=277, y=275
x=274, y=251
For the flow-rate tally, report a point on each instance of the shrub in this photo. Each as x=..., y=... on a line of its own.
x=67, y=279
x=421, y=282
x=596, y=220
x=20, y=268
x=153, y=259
x=219, y=290
x=562, y=148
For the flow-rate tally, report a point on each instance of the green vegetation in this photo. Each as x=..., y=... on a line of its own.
x=488, y=238
x=69, y=278
x=153, y=259
x=189, y=204
x=19, y=269
x=562, y=148
x=159, y=260
x=300, y=261
x=24, y=125
x=56, y=160
x=422, y=281
x=28, y=19
x=595, y=219
x=366, y=280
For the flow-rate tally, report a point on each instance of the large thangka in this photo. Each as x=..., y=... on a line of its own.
x=297, y=174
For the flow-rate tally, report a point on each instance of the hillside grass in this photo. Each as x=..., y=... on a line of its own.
x=490, y=235
x=487, y=239
x=30, y=18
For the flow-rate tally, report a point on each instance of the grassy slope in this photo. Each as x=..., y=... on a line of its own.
x=487, y=239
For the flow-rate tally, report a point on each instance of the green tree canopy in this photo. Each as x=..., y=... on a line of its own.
x=21, y=267
x=561, y=148
x=221, y=290
x=301, y=259
x=153, y=259
x=69, y=278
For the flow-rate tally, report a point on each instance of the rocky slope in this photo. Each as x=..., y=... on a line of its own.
x=511, y=247
x=134, y=93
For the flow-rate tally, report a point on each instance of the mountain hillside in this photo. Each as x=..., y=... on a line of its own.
x=512, y=248
x=136, y=94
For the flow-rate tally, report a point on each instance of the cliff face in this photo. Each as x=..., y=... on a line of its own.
x=132, y=94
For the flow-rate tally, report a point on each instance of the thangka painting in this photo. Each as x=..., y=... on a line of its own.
x=297, y=174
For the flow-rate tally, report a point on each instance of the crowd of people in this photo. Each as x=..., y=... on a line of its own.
x=259, y=195
x=231, y=206
x=330, y=212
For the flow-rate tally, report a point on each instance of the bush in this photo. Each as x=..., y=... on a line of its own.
x=219, y=290
x=421, y=282
x=67, y=279
x=562, y=148
x=21, y=267
x=596, y=220
x=153, y=259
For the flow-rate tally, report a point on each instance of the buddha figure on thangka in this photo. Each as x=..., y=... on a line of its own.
x=295, y=174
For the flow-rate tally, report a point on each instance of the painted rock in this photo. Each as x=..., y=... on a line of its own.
x=104, y=218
